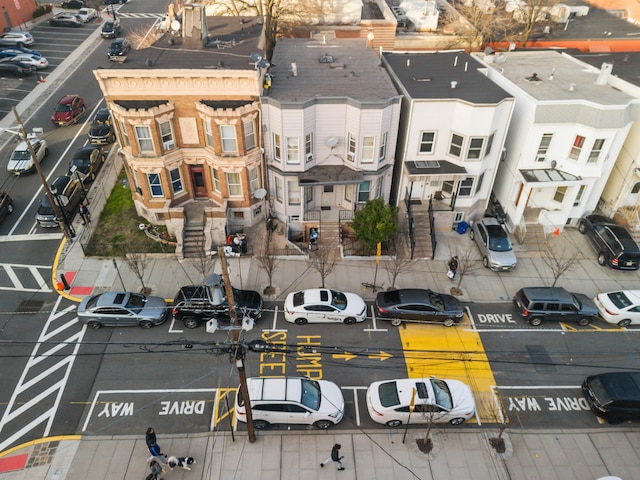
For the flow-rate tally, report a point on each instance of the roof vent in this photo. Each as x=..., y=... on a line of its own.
x=533, y=78
x=294, y=69
x=326, y=58
x=454, y=84
x=572, y=87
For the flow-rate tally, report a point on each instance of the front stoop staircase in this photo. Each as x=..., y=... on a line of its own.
x=422, y=235
x=532, y=238
x=193, y=240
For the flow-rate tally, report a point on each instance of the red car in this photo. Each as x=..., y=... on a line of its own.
x=68, y=110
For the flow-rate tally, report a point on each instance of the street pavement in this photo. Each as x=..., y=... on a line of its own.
x=458, y=453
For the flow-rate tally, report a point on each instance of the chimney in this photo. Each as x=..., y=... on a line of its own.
x=194, y=27
x=605, y=71
x=454, y=84
x=294, y=69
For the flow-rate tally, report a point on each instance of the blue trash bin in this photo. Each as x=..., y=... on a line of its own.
x=462, y=228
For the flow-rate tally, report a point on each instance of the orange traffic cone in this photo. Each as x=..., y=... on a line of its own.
x=556, y=232
x=41, y=80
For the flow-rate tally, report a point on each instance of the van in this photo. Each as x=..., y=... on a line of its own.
x=613, y=396
x=291, y=400
x=536, y=304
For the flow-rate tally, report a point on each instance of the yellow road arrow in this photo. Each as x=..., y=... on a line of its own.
x=382, y=356
x=346, y=356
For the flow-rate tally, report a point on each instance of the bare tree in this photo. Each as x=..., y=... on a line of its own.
x=203, y=262
x=532, y=15
x=138, y=263
x=558, y=260
x=466, y=264
x=323, y=260
x=492, y=407
x=269, y=263
x=398, y=265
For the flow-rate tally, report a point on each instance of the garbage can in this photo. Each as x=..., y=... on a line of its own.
x=462, y=228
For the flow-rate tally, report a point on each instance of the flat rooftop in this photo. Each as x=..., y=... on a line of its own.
x=340, y=68
x=626, y=65
x=555, y=73
x=429, y=76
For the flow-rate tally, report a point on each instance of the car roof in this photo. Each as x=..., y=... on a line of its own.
x=113, y=298
x=280, y=389
x=67, y=99
x=621, y=385
x=60, y=183
x=85, y=152
x=547, y=293
x=410, y=295
x=624, y=237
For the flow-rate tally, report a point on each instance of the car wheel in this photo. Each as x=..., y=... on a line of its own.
x=301, y=321
x=456, y=421
x=146, y=324
x=260, y=425
x=584, y=321
x=535, y=321
x=190, y=322
x=395, y=322
x=349, y=320
x=94, y=325
x=602, y=259
x=10, y=208
x=471, y=234
x=20, y=45
x=485, y=262
x=624, y=323
x=582, y=228
x=449, y=322
x=394, y=423
x=322, y=424
x=615, y=420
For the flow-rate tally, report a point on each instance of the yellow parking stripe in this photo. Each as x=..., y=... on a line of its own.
x=454, y=353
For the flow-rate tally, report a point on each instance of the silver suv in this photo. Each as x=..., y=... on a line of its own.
x=494, y=245
x=16, y=39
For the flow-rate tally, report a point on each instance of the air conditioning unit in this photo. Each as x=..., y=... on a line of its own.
x=169, y=145
x=309, y=157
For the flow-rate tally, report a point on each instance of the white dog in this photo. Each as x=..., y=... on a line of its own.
x=183, y=462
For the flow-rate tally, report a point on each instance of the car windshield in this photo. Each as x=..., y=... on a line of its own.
x=21, y=155
x=81, y=162
x=498, y=240
x=339, y=300
x=599, y=391
x=311, y=395
x=93, y=301
x=619, y=299
x=108, y=26
x=136, y=302
x=388, y=393
x=63, y=108
x=436, y=300
x=442, y=393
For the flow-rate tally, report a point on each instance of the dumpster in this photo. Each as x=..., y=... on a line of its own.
x=462, y=227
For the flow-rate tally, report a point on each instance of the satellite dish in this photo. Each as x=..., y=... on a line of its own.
x=332, y=142
x=554, y=164
x=256, y=57
x=264, y=64
x=500, y=58
x=175, y=25
x=260, y=193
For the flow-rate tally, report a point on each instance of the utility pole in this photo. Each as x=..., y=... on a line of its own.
x=62, y=220
x=238, y=349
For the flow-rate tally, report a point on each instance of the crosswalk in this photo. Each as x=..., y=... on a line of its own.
x=24, y=278
x=140, y=15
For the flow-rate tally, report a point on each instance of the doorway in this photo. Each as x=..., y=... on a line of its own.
x=328, y=197
x=196, y=173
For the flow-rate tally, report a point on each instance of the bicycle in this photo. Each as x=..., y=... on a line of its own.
x=372, y=286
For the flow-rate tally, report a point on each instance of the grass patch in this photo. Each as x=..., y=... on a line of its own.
x=117, y=232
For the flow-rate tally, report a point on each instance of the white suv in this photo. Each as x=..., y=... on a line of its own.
x=16, y=39
x=292, y=400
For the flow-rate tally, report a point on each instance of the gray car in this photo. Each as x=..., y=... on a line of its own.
x=119, y=309
x=494, y=245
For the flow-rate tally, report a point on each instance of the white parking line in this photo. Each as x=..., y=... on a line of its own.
x=373, y=321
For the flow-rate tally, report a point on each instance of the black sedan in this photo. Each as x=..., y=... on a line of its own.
x=101, y=130
x=415, y=304
x=614, y=396
x=613, y=244
x=86, y=163
x=73, y=4
x=118, y=48
x=111, y=29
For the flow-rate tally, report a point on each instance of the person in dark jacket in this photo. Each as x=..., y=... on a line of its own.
x=335, y=457
x=151, y=436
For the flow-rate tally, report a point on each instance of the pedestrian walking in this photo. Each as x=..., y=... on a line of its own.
x=335, y=457
x=85, y=215
x=156, y=469
x=453, y=267
x=150, y=436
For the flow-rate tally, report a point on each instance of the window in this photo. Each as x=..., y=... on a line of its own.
x=228, y=137
x=167, y=136
x=308, y=194
x=475, y=148
x=383, y=146
x=578, y=142
x=595, y=151
x=208, y=133
x=348, y=192
x=176, y=181
x=254, y=179
x=368, y=144
x=308, y=146
x=427, y=139
x=234, y=185
x=579, y=196
x=479, y=184
x=293, y=150
x=125, y=135
x=155, y=184
x=447, y=186
x=489, y=144
x=351, y=147
x=363, y=191
x=636, y=188
x=455, y=148
x=379, y=190
x=279, y=189
x=543, y=148
x=216, y=180
x=277, y=147
x=465, y=187
x=559, y=195
x=143, y=135
x=293, y=187
x=249, y=135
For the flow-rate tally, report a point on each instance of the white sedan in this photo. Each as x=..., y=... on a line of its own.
x=21, y=161
x=434, y=401
x=37, y=61
x=621, y=307
x=87, y=14
x=323, y=305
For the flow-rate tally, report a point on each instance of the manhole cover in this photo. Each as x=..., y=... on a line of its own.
x=30, y=306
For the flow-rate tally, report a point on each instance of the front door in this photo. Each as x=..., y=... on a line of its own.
x=328, y=197
x=197, y=180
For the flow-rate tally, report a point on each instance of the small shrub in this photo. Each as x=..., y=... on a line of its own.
x=42, y=10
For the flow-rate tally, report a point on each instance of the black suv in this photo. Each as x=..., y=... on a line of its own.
x=614, y=396
x=6, y=204
x=195, y=304
x=101, y=130
x=536, y=304
x=611, y=242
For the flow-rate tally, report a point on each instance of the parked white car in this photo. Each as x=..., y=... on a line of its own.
x=87, y=14
x=435, y=400
x=292, y=400
x=621, y=307
x=21, y=162
x=37, y=61
x=324, y=305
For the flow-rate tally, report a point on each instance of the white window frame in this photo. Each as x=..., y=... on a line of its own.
x=277, y=147
x=125, y=135
x=254, y=179
x=293, y=192
x=426, y=145
x=208, y=133
x=227, y=140
x=176, y=183
x=216, y=180
x=455, y=150
x=465, y=186
x=293, y=150
x=474, y=152
x=279, y=196
x=580, y=195
x=543, y=147
x=596, y=150
x=367, y=153
x=146, y=141
x=352, y=142
x=576, y=150
x=308, y=146
x=154, y=181
x=382, y=153
x=166, y=135
x=379, y=187
x=249, y=134
x=361, y=191
x=559, y=194
x=234, y=184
